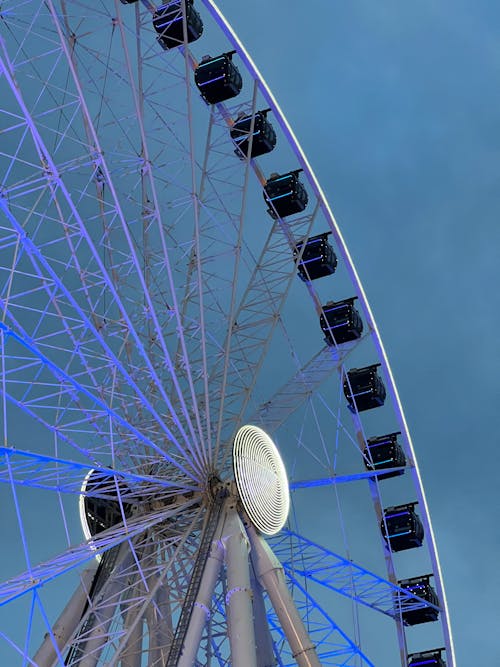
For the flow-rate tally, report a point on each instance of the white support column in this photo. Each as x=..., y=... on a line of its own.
x=239, y=593
x=98, y=636
x=201, y=608
x=160, y=630
x=132, y=653
x=272, y=578
x=264, y=643
x=67, y=623
x=105, y=610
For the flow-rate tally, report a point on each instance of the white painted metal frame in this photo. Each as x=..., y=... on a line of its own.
x=192, y=394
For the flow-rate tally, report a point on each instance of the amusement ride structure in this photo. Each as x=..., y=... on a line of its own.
x=205, y=458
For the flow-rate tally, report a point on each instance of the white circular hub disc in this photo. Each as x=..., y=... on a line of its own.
x=261, y=479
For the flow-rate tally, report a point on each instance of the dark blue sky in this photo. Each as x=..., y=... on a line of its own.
x=397, y=107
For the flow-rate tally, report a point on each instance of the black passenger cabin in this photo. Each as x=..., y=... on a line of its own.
x=169, y=24
x=414, y=612
x=318, y=259
x=384, y=452
x=340, y=322
x=401, y=527
x=427, y=659
x=103, y=508
x=218, y=79
x=364, y=389
x=285, y=194
x=261, y=134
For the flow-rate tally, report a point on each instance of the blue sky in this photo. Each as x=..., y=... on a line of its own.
x=397, y=107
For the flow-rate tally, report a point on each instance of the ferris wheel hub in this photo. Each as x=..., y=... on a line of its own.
x=261, y=479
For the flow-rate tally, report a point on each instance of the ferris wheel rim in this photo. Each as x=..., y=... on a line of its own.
x=210, y=3
x=367, y=308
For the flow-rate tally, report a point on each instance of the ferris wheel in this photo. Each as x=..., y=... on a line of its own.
x=205, y=458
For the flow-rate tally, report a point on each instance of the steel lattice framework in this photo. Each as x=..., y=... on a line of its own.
x=150, y=307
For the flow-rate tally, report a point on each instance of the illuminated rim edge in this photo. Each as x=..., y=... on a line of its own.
x=261, y=479
x=391, y=385
x=83, y=518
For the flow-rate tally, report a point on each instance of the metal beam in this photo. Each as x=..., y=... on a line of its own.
x=65, y=626
x=271, y=576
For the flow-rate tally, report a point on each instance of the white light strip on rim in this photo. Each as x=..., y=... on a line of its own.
x=83, y=515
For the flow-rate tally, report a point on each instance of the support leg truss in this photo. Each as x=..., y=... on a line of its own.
x=234, y=567
x=271, y=576
x=245, y=555
x=65, y=625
